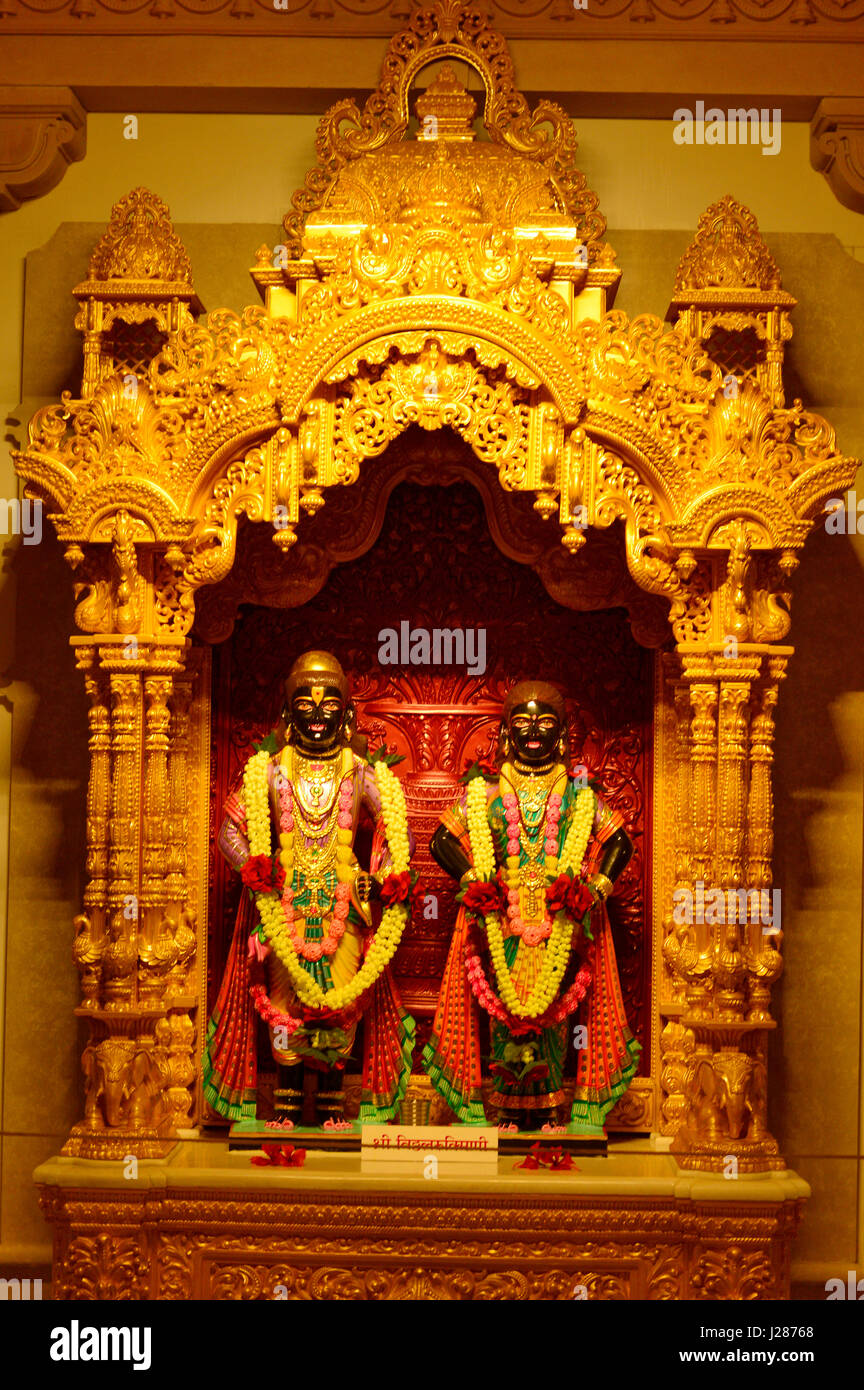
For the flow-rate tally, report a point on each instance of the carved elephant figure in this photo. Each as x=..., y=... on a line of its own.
x=108, y=1070
x=146, y=1079
x=721, y=1093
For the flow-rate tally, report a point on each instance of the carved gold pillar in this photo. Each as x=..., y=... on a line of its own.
x=729, y=969
x=683, y=865
x=763, y=959
x=90, y=926
x=703, y=754
x=725, y=1122
x=693, y=962
x=177, y=825
x=157, y=951
x=135, y=1051
x=177, y=1032
x=124, y=894
x=676, y=1041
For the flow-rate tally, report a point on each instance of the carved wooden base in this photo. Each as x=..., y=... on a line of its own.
x=84, y=1142
x=209, y=1225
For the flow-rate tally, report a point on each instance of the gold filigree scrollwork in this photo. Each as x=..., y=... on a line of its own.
x=243, y=489
x=432, y=391
x=728, y=295
x=727, y=251
x=126, y=595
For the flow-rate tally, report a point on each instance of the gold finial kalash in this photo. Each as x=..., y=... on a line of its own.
x=446, y=109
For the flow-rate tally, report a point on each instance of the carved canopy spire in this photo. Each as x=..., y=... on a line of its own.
x=138, y=292
x=140, y=243
x=530, y=150
x=728, y=295
x=727, y=252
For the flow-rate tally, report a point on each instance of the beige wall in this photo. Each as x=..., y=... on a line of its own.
x=228, y=180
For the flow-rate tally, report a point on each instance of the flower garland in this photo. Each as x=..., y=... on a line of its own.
x=277, y=922
x=489, y=1001
x=560, y=935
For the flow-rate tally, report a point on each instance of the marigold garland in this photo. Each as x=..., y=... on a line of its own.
x=278, y=932
x=557, y=947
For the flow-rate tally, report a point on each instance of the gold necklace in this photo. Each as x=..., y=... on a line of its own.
x=315, y=860
x=529, y=770
x=532, y=791
x=312, y=772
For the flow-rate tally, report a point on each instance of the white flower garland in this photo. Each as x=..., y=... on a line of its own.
x=389, y=933
x=557, y=951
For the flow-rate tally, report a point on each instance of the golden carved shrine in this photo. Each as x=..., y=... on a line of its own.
x=435, y=416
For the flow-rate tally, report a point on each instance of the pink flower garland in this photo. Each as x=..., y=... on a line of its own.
x=489, y=1001
x=270, y=1013
x=533, y=933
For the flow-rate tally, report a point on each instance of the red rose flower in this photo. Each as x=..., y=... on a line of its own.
x=483, y=898
x=396, y=888
x=263, y=874
x=566, y=894
x=558, y=894
x=579, y=900
x=280, y=1156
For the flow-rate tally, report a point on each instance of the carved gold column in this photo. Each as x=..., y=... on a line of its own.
x=725, y=1124
x=676, y=1041
x=124, y=896
x=762, y=955
x=89, y=941
x=176, y=1033
x=128, y=1061
x=729, y=971
x=693, y=961
x=157, y=951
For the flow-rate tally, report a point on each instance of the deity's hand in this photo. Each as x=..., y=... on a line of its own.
x=367, y=887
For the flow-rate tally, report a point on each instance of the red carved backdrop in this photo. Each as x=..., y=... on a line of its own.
x=435, y=565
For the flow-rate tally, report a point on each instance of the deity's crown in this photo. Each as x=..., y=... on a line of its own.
x=316, y=668
x=524, y=691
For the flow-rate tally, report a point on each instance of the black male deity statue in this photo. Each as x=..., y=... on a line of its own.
x=315, y=932
x=536, y=851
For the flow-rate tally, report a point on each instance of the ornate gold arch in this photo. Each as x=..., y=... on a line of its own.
x=434, y=279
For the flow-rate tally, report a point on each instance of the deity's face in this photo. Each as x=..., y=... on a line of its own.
x=534, y=730
x=317, y=717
